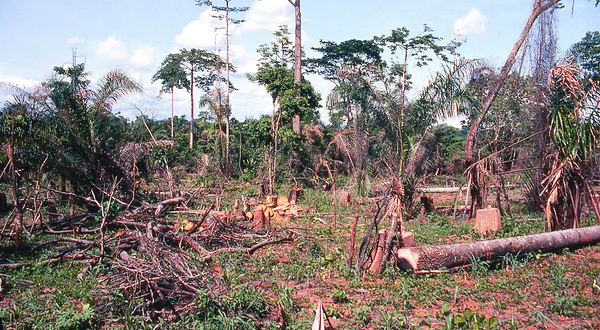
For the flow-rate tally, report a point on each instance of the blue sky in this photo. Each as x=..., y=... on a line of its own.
x=136, y=35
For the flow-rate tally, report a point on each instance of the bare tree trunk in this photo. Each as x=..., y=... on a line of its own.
x=192, y=108
x=538, y=8
x=14, y=187
x=297, y=52
x=449, y=256
x=401, y=115
x=298, y=42
x=228, y=104
x=172, y=110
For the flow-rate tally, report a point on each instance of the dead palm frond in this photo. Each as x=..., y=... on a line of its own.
x=575, y=132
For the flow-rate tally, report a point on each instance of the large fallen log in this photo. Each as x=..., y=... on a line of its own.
x=428, y=258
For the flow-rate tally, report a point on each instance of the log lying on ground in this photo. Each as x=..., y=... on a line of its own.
x=428, y=258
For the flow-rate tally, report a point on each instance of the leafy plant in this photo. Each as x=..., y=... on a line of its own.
x=467, y=320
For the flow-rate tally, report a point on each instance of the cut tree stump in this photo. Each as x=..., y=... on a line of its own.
x=488, y=220
x=258, y=216
x=378, y=253
x=294, y=194
x=408, y=239
x=429, y=258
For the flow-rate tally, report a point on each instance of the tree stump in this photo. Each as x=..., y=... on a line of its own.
x=281, y=200
x=378, y=252
x=488, y=220
x=294, y=194
x=258, y=216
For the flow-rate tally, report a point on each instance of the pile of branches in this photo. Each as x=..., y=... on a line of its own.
x=152, y=258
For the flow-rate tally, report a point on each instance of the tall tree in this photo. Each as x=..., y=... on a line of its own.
x=172, y=75
x=539, y=6
x=297, y=40
x=289, y=98
x=224, y=12
x=354, y=66
x=419, y=48
x=192, y=68
x=297, y=51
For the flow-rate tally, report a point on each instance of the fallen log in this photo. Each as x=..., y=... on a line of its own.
x=428, y=258
x=440, y=189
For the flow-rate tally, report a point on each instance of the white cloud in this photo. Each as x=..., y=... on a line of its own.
x=471, y=24
x=200, y=33
x=142, y=56
x=112, y=49
x=114, y=52
x=75, y=40
x=268, y=15
x=11, y=85
x=244, y=61
x=18, y=81
x=250, y=101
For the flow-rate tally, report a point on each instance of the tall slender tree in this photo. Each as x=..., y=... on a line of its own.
x=223, y=12
x=419, y=48
x=290, y=99
x=172, y=75
x=192, y=68
x=297, y=51
x=297, y=40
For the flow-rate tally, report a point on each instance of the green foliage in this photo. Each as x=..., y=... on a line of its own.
x=339, y=296
x=362, y=314
x=71, y=127
x=73, y=319
x=245, y=297
x=587, y=54
x=417, y=47
x=467, y=320
x=356, y=54
x=450, y=145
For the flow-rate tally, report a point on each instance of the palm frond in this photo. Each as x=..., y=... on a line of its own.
x=447, y=93
x=115, y=85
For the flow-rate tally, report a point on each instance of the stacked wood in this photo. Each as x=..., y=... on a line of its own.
x=270, y=200
x=429, y=258
x=281, y=200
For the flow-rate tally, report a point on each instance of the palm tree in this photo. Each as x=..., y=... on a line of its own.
x=575, y=132
x=72, y=124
